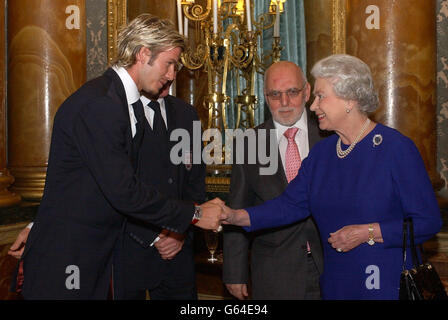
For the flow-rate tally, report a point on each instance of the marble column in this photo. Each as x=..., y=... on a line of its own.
x=397, y=39
x=46, y=63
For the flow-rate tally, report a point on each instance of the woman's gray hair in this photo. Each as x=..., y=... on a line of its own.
x=351, y=79
x=147, y=31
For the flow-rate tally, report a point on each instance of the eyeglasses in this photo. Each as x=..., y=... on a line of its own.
x=291, y=93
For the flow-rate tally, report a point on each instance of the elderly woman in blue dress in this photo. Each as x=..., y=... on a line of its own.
x=358, y=184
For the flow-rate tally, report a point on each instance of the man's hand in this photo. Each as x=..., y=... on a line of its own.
x=212, y=214
x=16, y=250
x=170, y=244
x=238, y=290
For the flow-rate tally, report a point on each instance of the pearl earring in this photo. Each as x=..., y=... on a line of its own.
x=347, y=110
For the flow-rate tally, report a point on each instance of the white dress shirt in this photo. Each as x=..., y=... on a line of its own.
x=132, y=95
x=301, y=137
x=149, y=113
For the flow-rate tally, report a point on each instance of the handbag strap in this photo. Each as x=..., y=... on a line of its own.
x=405, y=235
x=413, y=247
x=415, y=261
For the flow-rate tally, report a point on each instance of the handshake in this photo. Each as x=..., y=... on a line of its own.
x=215, y=213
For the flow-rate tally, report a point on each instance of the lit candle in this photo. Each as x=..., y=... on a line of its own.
x=185, y=26
x=277, y=20
x=215, y=16
x=249, y=22
x=179, y=16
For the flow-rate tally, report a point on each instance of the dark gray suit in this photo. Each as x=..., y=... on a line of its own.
x=280, y=266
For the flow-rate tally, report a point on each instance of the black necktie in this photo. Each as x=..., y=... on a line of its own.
x=139, y=131
x=158, y=125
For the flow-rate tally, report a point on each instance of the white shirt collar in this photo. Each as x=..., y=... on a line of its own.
x=132, y=93
x=302, y=124
x=146, y=100
x=149, y=112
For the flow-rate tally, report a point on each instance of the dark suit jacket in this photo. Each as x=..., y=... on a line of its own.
x=143, y=266
x=278, y=261
x=90, y=188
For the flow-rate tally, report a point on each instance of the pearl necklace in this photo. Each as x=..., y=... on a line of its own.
x=343, y=153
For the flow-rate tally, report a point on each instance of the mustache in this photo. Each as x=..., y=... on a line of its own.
x=286, y=109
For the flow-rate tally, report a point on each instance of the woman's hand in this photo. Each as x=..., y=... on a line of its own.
x=349, y=237
x=238, y=217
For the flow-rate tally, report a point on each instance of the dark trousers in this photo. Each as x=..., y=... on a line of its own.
x=144, y=270
x=312, y=291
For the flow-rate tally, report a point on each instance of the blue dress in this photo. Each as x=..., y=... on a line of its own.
x=375, y=183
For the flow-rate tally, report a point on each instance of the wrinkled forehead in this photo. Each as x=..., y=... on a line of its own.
x=283, y=80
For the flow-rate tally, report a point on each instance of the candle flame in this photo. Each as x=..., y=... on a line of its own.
x=240, y=7
x=276, y=3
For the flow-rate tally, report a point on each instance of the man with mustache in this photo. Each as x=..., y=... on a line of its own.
x=285, y=262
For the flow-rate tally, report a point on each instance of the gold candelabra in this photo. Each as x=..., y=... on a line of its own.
x=226, y=47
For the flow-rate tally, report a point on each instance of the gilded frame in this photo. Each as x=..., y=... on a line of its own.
x=338, y=26
x=116, y=18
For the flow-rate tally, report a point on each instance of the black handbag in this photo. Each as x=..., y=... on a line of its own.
x=421, y=282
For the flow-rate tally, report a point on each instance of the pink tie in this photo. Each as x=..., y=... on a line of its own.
x=293, y=160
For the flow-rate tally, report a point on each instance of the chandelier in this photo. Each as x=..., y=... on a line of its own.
x=227, y=46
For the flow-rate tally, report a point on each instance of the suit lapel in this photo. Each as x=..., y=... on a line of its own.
x=171, y=124
x=279, y=178
x=170, y=110
x=118, y=94
x=116, y=91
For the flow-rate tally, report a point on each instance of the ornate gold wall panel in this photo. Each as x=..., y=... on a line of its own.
x=442, y=92
x=116, y=17
x=6, y=198
x=47, y=62
x=325, y=29
x=338, y=25
x=397, y=39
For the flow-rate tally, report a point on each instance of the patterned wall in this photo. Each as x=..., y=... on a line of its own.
x=96, y=11
x=442, y=91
